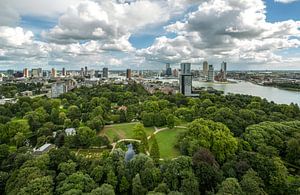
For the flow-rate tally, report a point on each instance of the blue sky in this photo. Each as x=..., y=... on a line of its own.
x=147, y=33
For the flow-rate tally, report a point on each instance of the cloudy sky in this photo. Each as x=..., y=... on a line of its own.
x=248, y=34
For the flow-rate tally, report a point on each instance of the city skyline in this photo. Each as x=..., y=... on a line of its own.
x=249, y=35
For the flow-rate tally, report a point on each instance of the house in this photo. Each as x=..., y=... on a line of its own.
x=43, y=149
x=70, y=131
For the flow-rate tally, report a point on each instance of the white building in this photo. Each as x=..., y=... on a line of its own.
x=70, y=131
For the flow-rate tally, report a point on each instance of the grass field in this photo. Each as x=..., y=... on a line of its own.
x=122, y=131
x=166, y=142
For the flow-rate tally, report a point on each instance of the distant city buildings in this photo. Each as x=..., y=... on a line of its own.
x=128, y=74
x=105, y=73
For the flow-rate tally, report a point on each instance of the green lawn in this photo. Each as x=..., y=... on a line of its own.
x=166, y=142
x=122, y=131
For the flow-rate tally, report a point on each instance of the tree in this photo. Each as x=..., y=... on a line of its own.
x=85, y=136
x=137, y=187
x=79, y=181
x=67, y=168
x=73, y=112
x=39, y=186
x=154, y=151
x=139, y=133
x=148, y=119
x=230, y=186
x=211, y=135
x=104, y=189
x=170, y=121
x=19, y=139
x=124, y=185
x=252, y=184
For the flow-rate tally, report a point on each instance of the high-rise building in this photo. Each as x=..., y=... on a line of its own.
x=85, y=71
x=205, y=69
x=63, y=73
x=53, y=72
x=105, y=73
x=82, y=72
x=224, y=69
x=185, y=79
x=40, y=72
x=37, y=72
x=210, y=77
x=168, y=70
x=128, y=74
x=25, y=72
x=175, y=73
x=97, y=74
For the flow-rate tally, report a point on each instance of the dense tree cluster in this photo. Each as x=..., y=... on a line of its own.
x=233, y=144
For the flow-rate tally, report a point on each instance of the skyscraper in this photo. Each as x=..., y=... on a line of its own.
x=37, y=72
x=168, y=69
x=105, y=72
x=205, y=68
x=224, y=70
x=128, y=74
x=63, y=73
x=25, y=72
x=210, y=77
x=85, y=71
x=185, y=79
x=82, y=72
x=53, y=72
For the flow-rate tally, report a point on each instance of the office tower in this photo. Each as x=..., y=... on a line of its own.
x=85, y=71
x=25, y=72
x=63, y=73
x=175, y=73
x=185, y=79
x=82, y=72
x=36, y=72
x=105, y=73
x=40, y=72
x=210, y=77
x=168, y=70
x=128, y=74
x=53, y=72
x=97, y=74
x=45, y=73
x=224, y=70
x=205, y=68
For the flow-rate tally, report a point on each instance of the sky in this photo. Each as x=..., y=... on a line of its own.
x=146, y=34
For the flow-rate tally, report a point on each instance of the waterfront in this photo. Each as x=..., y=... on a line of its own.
x=277, y=95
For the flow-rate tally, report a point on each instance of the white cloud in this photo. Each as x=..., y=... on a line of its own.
x=231, y=30
x=286, y=1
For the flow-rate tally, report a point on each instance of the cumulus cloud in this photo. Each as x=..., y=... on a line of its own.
x=286, y=1
x=231, y=29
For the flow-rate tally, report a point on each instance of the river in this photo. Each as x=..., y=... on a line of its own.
x=277, y=95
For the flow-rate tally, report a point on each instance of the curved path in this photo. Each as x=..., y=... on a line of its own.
x=157, y=130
